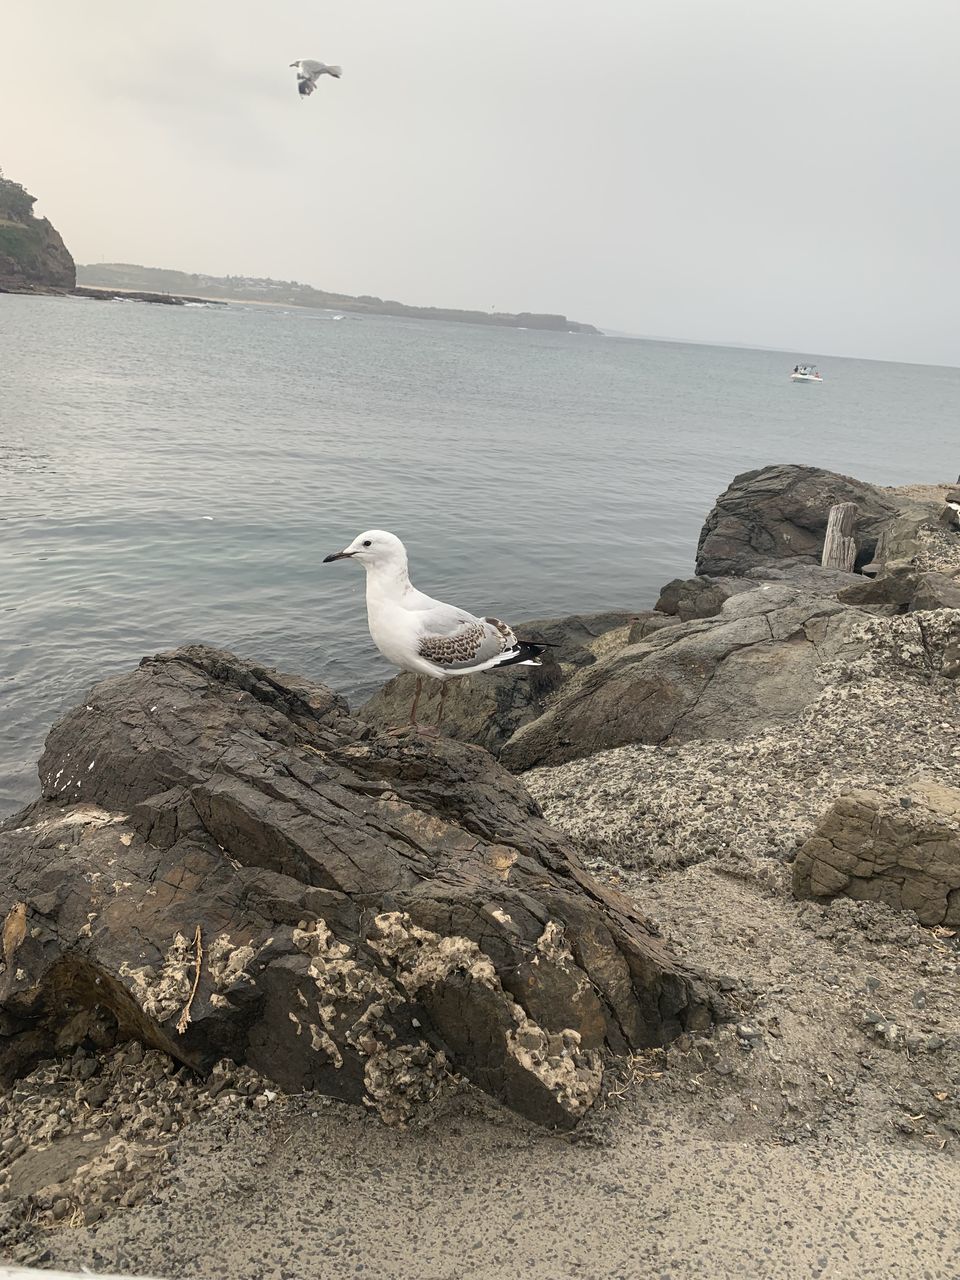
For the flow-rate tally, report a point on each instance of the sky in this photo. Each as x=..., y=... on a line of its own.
x=739, y=171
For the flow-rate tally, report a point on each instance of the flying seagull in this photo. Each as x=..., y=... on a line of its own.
x=309, y=72
x=419, y=634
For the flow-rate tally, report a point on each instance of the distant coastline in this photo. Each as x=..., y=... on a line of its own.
x=132, y=278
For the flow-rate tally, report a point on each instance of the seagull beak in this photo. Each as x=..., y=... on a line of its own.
x=338, y=555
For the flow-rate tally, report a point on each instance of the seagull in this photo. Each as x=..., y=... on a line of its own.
x=309, y=72
x=422, y=635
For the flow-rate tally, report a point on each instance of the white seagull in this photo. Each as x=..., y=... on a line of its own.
x=309, y=72
x=419, y=634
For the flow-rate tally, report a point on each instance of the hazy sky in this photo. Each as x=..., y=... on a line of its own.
x=732, y=170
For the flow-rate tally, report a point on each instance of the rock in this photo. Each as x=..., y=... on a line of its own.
x=936, y=591
x=33, y=257
x=753, y=666
x=487, y=709
x=902, y=586
x=704, y=597
x=869, y=847
x=806, y=574
x=646, y=623
x=699, y=597
x=225, y=863
x=893, y=588
x=781, y=511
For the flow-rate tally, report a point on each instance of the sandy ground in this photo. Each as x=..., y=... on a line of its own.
x=817, y=1134
x=476, y=1196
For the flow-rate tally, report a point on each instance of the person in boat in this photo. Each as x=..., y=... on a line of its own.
x=796, y=368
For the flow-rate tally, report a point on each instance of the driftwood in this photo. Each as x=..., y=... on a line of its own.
x=226, y=863
x=839, y=547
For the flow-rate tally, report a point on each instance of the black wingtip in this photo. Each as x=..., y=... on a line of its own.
x=526, y=651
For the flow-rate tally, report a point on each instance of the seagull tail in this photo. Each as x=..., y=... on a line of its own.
x=526, y=654
x=336, y=72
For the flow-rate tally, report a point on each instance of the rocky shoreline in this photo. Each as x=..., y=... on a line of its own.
x=766, y=766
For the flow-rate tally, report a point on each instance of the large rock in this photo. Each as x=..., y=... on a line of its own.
x=225, y=863
x=487, y=709
x=901, y=848
x=753, y=665
x=781, y=511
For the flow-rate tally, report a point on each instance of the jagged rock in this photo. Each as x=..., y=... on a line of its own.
x=900, y=847
x=487, y=709
x=753, y=665
x=224, y=862
x=781, y=511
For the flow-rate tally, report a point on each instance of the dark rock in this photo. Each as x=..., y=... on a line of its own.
x=369, y=912
x=894, y=587
x=936, y=591
x=901, y=587
x=754, y=665
x=487, y=709
x=868, y=847
x=699, y=597
x=781, y=511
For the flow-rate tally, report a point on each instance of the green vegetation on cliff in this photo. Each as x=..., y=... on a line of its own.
x=126, y=275
x=33, y=257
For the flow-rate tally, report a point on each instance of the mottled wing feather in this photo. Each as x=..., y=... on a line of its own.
x=459, y=648
x=473, y=642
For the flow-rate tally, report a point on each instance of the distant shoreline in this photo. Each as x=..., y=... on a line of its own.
x=131, y=277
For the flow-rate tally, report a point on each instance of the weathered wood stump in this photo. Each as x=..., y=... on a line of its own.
x=226, y=863
x=839, y=546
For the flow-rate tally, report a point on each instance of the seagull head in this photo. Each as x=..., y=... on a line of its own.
x=375, y=549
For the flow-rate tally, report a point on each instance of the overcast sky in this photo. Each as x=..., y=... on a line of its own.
x=737, y=171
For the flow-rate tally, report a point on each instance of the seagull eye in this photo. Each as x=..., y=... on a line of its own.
x=367, y=543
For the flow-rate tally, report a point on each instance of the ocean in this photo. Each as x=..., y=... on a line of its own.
x=175, y=474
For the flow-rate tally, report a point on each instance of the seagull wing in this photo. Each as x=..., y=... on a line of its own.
x=457, y=641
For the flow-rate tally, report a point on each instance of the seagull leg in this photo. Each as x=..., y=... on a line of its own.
x=443, y=694
x=433, y=730
x=416, y=699
x=413, y=724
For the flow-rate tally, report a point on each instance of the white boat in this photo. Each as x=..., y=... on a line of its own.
x=806, y=373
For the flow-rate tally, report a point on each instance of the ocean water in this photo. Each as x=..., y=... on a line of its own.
x=170, y=475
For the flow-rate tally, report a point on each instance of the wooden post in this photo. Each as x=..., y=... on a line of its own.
x=839, y=547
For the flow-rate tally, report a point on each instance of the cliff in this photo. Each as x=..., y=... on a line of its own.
x=126, y=275
x=33, y=257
